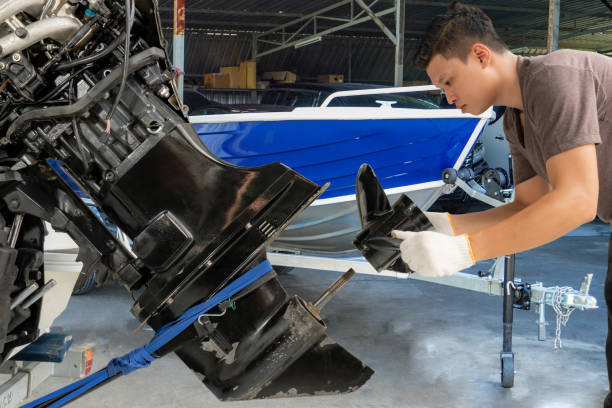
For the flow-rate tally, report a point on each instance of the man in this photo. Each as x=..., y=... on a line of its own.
x=558, y=124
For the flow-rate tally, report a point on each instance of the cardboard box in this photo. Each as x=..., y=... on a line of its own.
x=330, y=78
x=243, y=76
x=208, y=78
x=248, y=73
x=217, y=80
x=285, y=77
x=234, y=73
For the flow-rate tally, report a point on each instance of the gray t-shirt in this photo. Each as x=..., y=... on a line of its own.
x=567, y=100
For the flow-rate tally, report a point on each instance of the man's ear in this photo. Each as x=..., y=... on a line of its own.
x=482, y=54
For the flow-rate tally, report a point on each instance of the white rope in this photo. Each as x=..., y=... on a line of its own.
x=563, y=312
x=510, y=283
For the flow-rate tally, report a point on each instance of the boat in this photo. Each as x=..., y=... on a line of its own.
x=407, y=148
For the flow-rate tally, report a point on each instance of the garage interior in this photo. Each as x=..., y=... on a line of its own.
x=430, y=345
x=327, y=37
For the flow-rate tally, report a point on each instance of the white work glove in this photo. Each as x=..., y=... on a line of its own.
x=434, y=254
x=442, y=222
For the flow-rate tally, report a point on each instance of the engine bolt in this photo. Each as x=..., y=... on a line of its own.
x=21, y=32
x=109, y=176
x=16, y=57
x=2, y=66
x=163, y=92
x=14, y=203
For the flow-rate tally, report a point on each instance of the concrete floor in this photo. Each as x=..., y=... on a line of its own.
x=430, y=345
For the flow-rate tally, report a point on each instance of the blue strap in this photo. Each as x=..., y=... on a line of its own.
x=143, y=356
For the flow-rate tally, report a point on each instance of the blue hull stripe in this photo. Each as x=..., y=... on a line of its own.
x=401, y=151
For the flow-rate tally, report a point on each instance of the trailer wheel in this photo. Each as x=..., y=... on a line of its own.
x=507, y=371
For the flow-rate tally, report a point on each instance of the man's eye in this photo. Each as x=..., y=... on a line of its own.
x=447, y=83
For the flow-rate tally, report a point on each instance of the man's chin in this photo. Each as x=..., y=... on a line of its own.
x=475, y=112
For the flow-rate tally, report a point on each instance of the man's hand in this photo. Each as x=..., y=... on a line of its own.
x=435, y=254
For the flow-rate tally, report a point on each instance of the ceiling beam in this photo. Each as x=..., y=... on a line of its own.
x=308, y=16
x=324, y=32
x=193, y=23
x=377, y=21
x=235, y=12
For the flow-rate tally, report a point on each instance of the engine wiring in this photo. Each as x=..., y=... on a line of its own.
x=130, y=8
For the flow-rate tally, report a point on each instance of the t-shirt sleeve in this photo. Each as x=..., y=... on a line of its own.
x=521, y=169
x=562, y=103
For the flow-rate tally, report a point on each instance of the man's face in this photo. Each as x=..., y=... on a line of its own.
x=467, y=84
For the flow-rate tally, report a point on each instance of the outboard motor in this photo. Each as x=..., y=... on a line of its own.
x=88, y=83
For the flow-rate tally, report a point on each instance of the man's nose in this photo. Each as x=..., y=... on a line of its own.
x=450, y=98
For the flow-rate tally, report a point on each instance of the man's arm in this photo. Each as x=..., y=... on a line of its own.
x=525, y=194
x=571, y=202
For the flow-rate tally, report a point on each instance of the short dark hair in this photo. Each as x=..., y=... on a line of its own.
x=452, y=34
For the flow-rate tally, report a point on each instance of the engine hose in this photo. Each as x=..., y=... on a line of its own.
x=86, y=60
x=129, y=20
x=62, y=85
x=71, y=43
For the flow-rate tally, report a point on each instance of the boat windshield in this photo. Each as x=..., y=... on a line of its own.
x=414, y=101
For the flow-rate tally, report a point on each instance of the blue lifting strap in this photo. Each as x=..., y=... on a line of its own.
x=143, y=356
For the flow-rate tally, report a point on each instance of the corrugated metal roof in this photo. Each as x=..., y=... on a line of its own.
x=219, y=33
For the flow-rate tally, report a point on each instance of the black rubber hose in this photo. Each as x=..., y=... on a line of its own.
x=129, y=19
x=71, y=43
x=62, y=85
x=91, y=58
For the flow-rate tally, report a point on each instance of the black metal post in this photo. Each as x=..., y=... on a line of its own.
x=508, y=302
x=506, y=355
